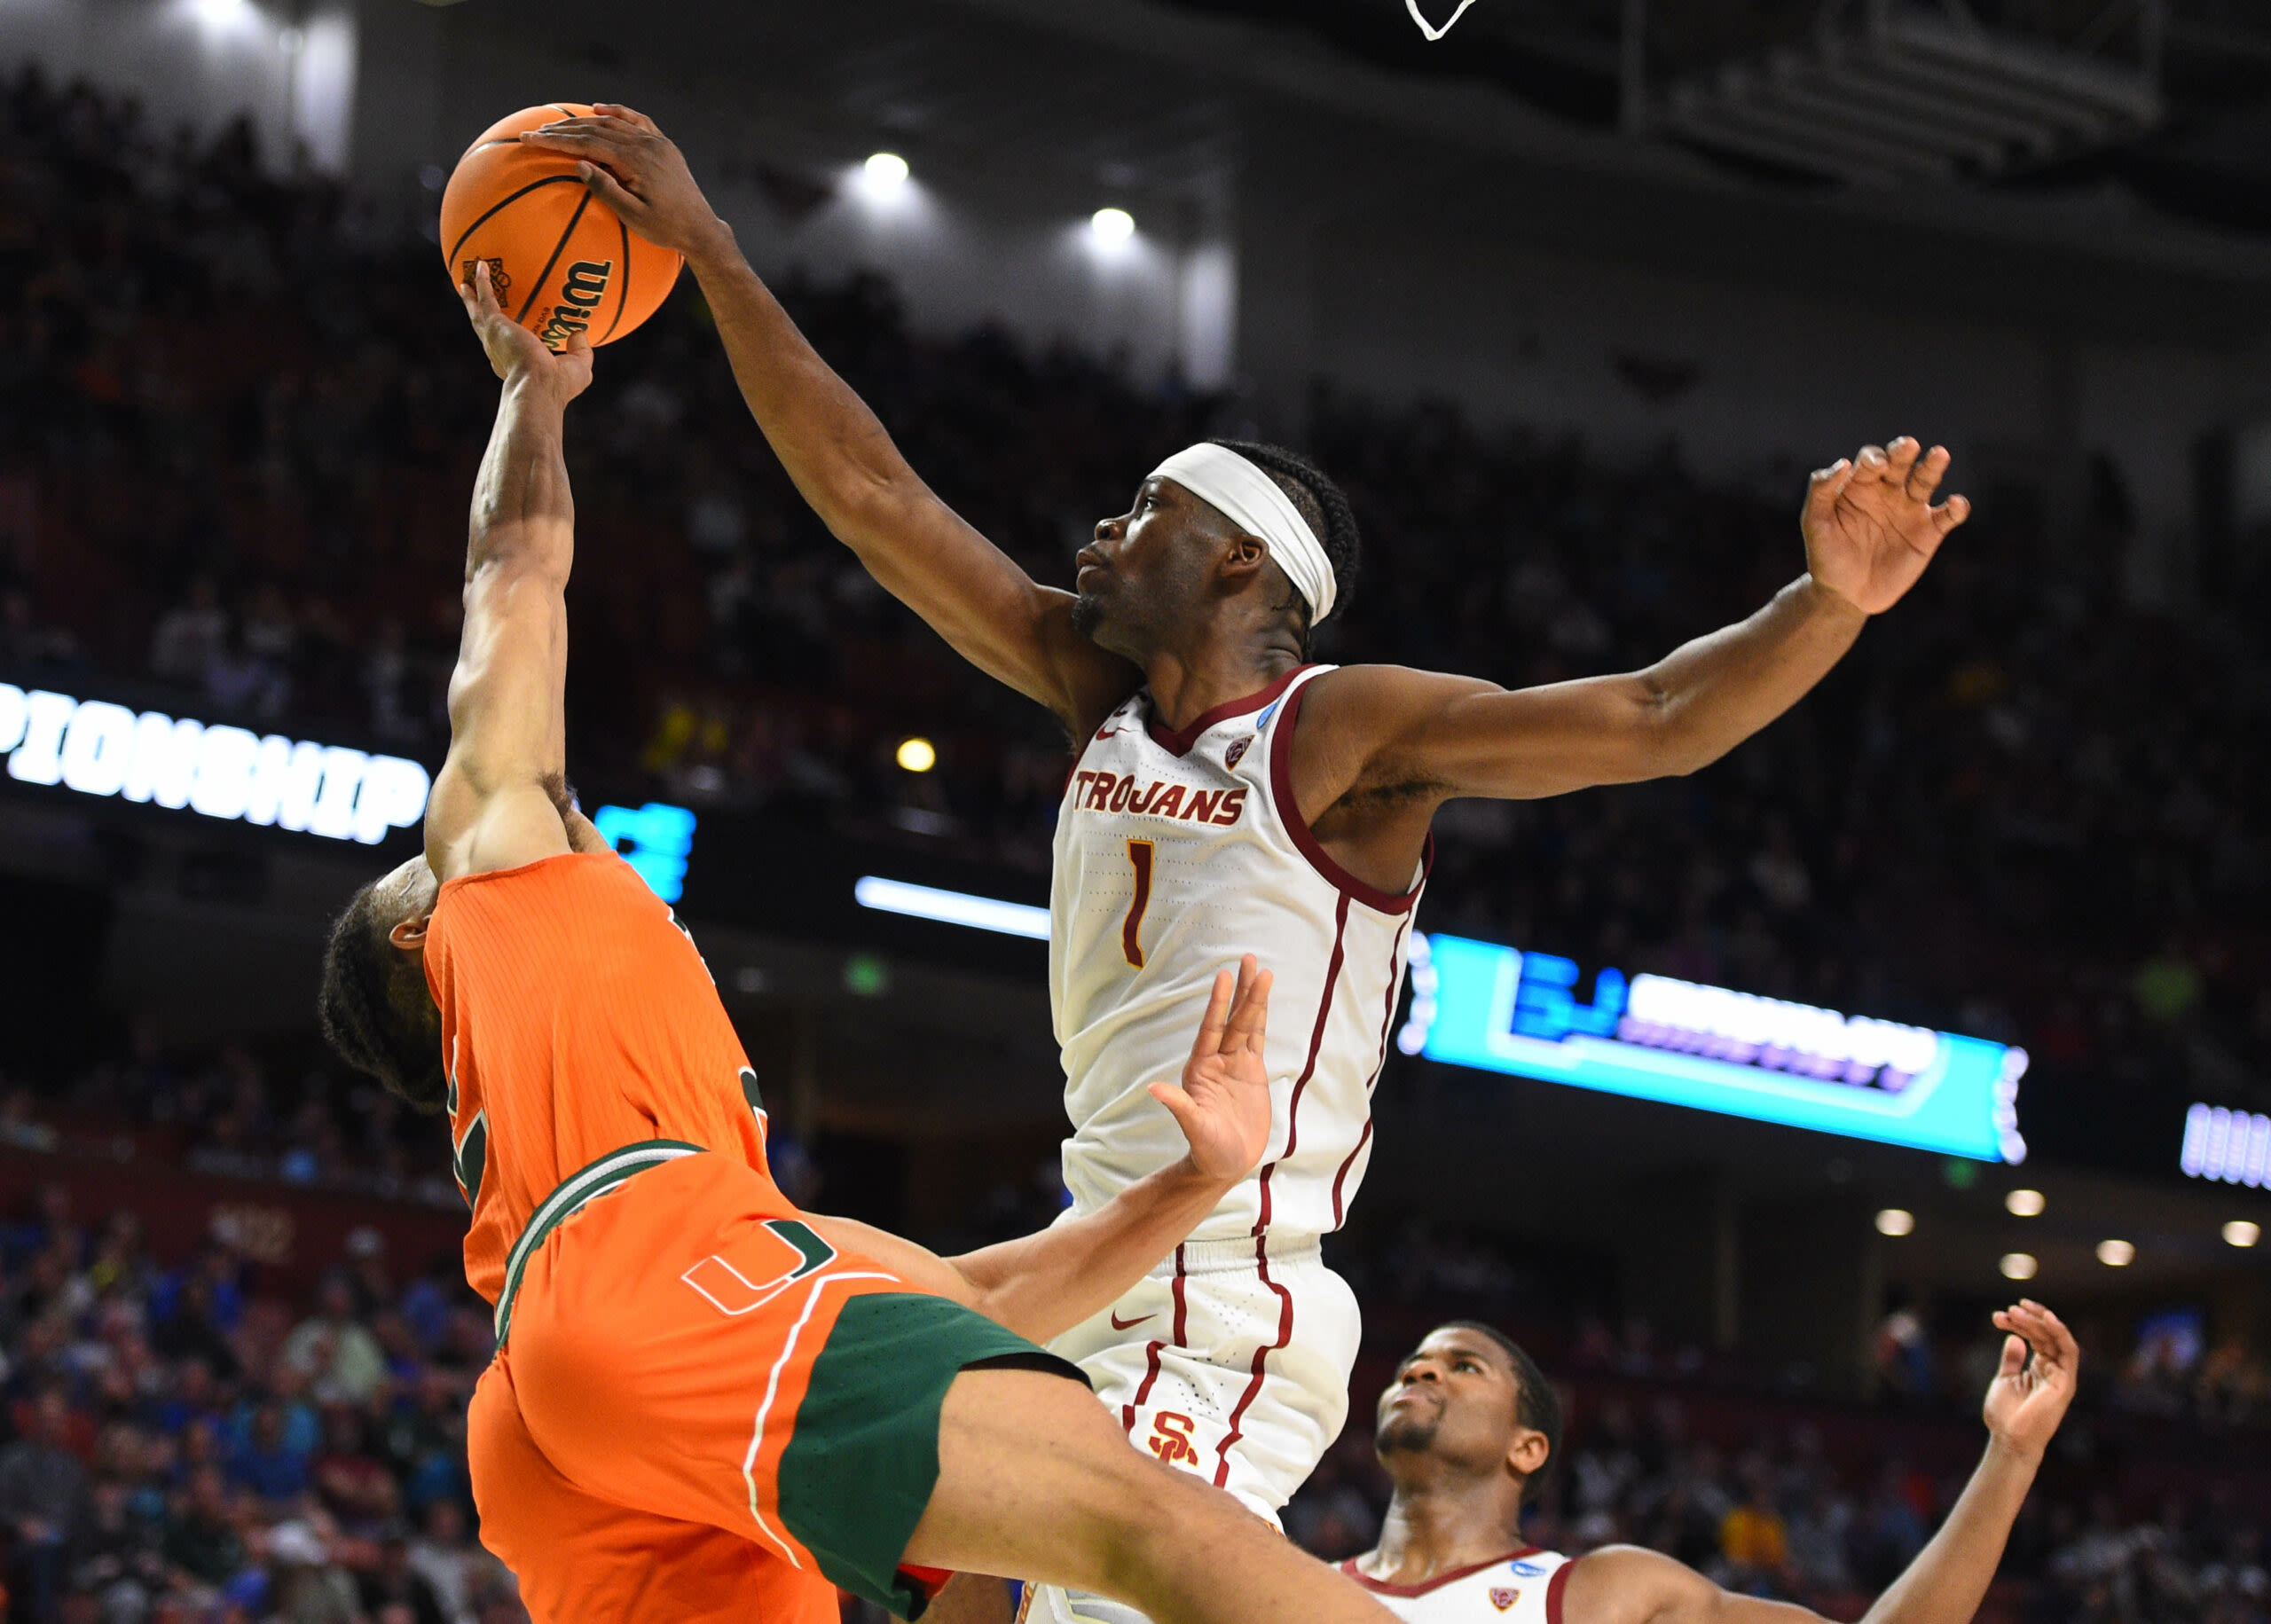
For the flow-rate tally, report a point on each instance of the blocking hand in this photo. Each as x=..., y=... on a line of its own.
x=637, y=170
x=1222, y=1103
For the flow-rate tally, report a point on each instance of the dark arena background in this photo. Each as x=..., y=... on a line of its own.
x=1569, y=299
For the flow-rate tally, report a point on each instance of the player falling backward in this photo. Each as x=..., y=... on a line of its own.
x=1469, y=1425
x=1230, y=794
x=707, y=1405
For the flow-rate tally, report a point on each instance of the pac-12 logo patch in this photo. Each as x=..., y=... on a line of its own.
x=1237, y=752
x=1504, y=1596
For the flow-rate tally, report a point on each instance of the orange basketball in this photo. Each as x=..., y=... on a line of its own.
x=563, y=261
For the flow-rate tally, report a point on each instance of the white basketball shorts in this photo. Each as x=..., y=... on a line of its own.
x=1231, y=1362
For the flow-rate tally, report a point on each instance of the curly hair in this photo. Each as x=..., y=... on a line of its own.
x=374, y=1014
x=1311, y=490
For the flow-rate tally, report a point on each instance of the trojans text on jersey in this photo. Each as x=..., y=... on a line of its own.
x=1119, y=792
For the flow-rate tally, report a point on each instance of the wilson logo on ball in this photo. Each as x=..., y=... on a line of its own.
x=579, y=295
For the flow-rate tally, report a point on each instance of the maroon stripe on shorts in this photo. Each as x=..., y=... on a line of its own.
x=1152, y=1353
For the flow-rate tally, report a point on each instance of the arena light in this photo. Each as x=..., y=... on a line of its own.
x=2017, y=1265
x=2233, y=1146
x=2116, y=1254
x=1896, y=1221
x=948, y=908
x=2241, y=1233
x=1497, y=1009
x=220, y=16
x=883, y=176
x=655, y=839
x=916, y=755
x=99, y=748
x=2024, y=1203
x=1111, y=227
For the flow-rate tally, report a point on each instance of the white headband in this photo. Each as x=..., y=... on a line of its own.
x=1257, y=505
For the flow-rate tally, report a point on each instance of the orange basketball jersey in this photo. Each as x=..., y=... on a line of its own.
x=577, y=1018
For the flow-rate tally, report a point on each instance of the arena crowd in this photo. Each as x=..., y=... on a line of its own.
x=217, y=476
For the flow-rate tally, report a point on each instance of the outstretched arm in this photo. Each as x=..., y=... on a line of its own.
x=1045, y=1284
x=1945, y=1584
x=1870, y=529
x=971, y=592
x=494, y=802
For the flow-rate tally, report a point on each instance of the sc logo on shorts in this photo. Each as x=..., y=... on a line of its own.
x=1170, y=1440
x=772, y=1258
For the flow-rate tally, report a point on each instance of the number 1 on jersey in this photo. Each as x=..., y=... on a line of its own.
x=1131, y=932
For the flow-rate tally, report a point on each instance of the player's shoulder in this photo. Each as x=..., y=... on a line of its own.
x=1390, y=685
x=569, y=882
x=1372, y=707
x=1619, y=1584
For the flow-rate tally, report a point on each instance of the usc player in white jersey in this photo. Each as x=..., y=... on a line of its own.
x=1232, y=796
x=1469, y=1425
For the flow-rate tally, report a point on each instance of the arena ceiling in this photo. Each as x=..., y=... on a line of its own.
x=2169, y=99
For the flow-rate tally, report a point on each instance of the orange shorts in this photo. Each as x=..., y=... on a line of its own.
x=701, y=1410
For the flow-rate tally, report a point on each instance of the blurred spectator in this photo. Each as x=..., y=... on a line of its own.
x=191, y=636
x=332, y=1347
x=43, y=1498
x=1753, y=1537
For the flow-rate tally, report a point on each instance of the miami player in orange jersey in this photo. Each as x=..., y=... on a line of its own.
x=707, y=1405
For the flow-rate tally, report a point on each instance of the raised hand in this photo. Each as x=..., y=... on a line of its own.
x=516, y=352
x=638, y=171
x=1869, y=524
x=1222, y=1103
x=2028, y=1398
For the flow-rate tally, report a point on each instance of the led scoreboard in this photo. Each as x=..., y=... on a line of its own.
x=1682, y=1043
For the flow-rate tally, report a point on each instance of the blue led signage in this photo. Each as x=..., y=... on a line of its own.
x=655, y=839
x=1683, y=1043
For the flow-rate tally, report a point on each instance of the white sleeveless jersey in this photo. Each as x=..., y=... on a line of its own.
x=1524, y=1588
x=1174, y=854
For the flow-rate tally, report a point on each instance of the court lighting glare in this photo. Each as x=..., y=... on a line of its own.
x=2017, y=1265
x=1112, y=226
x=918, y=755
x=1896, y=1221
x=2239, y=1232
x=884, y=174
x=952, y=907
x=2024, y=1203
x=2116, y=1254
x=220, y=16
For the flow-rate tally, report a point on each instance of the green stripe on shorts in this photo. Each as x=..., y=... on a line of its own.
x=858, y=1470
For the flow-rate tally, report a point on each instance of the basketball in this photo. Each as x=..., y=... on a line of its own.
x=562, y=259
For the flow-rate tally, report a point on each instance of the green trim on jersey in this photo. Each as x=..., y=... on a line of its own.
x=573, y=1193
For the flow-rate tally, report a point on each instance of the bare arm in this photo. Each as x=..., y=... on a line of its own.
x=1950, y=1576
x=1043, y=1284
x=492, y=805
x=1870, y=530
x=843, y=462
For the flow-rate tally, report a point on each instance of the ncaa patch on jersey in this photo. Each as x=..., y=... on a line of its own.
x=1504, y=1596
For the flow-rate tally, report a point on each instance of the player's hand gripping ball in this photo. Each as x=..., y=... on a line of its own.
x=562, y=260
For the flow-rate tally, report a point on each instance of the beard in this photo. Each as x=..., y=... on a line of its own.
x=1087, y=615
x=1408, y=1434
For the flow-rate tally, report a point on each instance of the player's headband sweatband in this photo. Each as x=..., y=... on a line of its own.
x=1257, y=505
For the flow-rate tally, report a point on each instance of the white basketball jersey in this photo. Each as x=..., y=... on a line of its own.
x=1524, y=1588
x=1177, y=852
